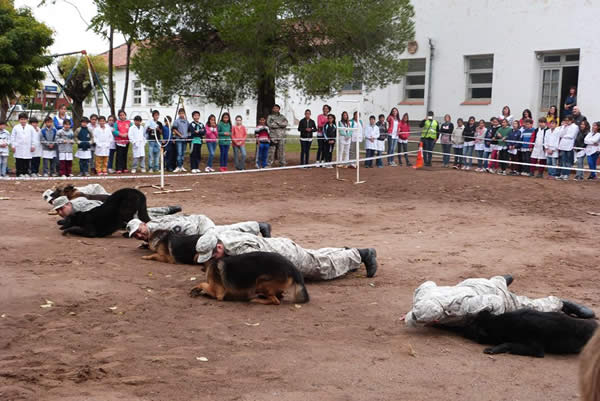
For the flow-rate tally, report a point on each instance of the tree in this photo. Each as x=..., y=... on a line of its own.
x=23, y=46
x=79, y=87
x=257, y=46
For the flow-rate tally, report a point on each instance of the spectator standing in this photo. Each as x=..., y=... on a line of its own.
x=393, y=123
x=552, y=115
x=224, y=129
x=65, y=140
x=480, y=135
x=329, y=133
x=592, y=147
x=429, y=135
x=137, y=136
x=277, y=124
x=22, y=140
x=403, y=135
x=458, y=143
x=122, y=142
x=92, y=127
x=263, y=139
x=103, y=138
x=525, y=151
x=343, y=153
x=306, y=127
x=506, y=115
x=239, y=135
x=154, y=129
x=371, y=136
x=212, y=134
x=446, y=130
x=321, y=121
x=4, y=145
x=180, y=135
x=61, y=117
x=490, y=144
x=501, y=147
x=568, y=133
x=357, y=137
x=469, y=138
x=525, y=116
x=168, y=143
x=48, y=142
x=538, y=155
x=36, y=155
x=513, y=143
x=112, y=123
x=579, y=148
x=570, y=102
x=578, y=118
x=197, y=132
x=84, y=140
x=551, y=142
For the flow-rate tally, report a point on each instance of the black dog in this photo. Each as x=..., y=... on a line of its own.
x=529, y=332
x=112, y=215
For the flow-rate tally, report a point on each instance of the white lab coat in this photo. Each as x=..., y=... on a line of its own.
x=551, y=141
x=538, y=148
x=103, y=138
x=371, y=133
x=137, y=138
x=22, y=139
x=567, y=137
x=37, y=143
x=592, y=140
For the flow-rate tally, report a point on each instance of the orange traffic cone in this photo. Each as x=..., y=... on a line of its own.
x=419, y=163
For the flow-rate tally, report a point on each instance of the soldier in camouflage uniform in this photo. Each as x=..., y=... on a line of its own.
x=320, y=264
x=277, y=124
x=195, y=224
x=66, y=207
x=456, y=305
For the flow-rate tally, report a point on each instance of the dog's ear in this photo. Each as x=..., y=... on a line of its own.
x=125, y=234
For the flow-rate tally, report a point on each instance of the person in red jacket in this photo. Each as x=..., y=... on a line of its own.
x=403, y=134
x=122, y=141
x=393, y=122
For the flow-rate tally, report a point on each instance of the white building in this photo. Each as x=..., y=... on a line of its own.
x=470, y=57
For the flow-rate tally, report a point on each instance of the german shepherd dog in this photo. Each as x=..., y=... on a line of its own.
x=112, y=215
x=529, y=332
x=260, y=277
x=71, y=193
x=170, y=247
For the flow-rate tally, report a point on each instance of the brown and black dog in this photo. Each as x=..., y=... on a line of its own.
x=260, y=277
x=170, y=247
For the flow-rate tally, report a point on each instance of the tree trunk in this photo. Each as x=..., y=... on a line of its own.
x=3, y=108
x=77, y=112
x=111, y=88
x=128, y=61
x=266, y=96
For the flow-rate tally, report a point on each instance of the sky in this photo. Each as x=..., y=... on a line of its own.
x=71, y=32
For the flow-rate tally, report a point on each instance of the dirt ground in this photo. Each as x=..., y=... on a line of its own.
x=121, y=328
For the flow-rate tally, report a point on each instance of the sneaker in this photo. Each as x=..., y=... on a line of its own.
x=119, y=171
x=577, y=178
x=592, y=178
x=207, y=169
x=177, y=170
x=125, y=171
x=524, y=174
x=46, y=175
x=504, y=172
x=565, y=178
x=143, y=170
x=455, y=167
x=133, y=171
x=183, y=169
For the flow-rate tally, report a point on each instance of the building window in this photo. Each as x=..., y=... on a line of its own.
x=355, y=86
x=90, y=101
x=137, y=93
x=550, y=87
x=479, y=71
x=414, y=81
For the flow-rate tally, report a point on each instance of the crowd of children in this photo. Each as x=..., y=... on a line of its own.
x=505, y=145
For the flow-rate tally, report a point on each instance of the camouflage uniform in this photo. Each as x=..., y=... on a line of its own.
x=320, y=264
x=277, y=124
x=454, y=304
x=82, y=204
x=92, y=189
x=198, y=224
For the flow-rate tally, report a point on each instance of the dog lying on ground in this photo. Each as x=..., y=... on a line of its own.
x=112, y=215
x=71, y=192
x=589, y=370
x=529, y=332
x=170, y=247
x=260, y=277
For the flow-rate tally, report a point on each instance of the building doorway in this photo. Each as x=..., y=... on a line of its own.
x=560, y=71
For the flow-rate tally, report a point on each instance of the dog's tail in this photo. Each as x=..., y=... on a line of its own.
x=300, y=292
